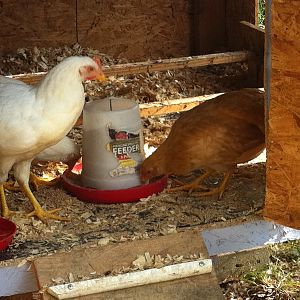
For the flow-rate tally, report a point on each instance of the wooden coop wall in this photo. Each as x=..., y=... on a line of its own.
x=135, y=29
x=283, y=164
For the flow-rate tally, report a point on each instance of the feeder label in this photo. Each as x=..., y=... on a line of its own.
x=122, y=145
x=120, y=148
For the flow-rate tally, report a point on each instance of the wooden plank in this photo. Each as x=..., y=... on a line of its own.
x=135, y=29
x=42, y=23
x=171, y=106
x=208, y=26
x=283, y=164
x=105, y=259
x=158, y=65
x=253, y=39
x=237, y=11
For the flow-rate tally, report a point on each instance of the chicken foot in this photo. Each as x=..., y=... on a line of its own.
x=195, y=184
x=5, y=212
x=220, y=189
x=11, y=186
x=36, y=181
x=38, y=210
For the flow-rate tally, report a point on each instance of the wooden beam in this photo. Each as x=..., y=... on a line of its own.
x=172, y=106
x=158, y=65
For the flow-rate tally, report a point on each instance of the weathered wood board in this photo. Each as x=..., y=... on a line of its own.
x=283, y=144
x=102, y=260
x=36, y=23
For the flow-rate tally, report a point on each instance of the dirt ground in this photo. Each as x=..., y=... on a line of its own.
x=157, y=215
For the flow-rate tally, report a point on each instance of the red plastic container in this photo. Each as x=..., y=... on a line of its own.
x=71, y=182
x=7, y=232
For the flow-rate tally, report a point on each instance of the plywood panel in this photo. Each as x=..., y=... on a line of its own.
x=283, y=166
x=135, y=29
x=28, y=23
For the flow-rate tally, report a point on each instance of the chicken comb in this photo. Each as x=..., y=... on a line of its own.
x=98, y=61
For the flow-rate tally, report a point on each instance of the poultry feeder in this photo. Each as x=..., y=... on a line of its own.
x=113, y=149
x=112, y=144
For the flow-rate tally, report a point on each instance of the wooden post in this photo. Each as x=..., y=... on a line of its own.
x=283, y=138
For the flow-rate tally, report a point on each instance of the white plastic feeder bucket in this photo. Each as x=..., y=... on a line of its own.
x=113, y=144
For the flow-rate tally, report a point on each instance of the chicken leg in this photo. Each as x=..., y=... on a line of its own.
x=5, y=212
x=22, y=174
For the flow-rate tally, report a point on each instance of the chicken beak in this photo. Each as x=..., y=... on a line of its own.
x=100, y=77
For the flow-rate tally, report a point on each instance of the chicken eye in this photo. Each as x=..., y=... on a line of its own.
x=90, y=68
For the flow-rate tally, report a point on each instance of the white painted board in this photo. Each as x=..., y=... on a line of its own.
x=17, y=280
x=132, y=279
x=247, y=236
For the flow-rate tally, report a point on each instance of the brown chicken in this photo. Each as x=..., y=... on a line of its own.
x=216, y=136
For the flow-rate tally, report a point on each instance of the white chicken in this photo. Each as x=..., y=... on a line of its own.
x=34, y=118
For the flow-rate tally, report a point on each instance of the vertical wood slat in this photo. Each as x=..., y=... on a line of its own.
x=283, y=144
x=208, y=32
x=237, y=11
